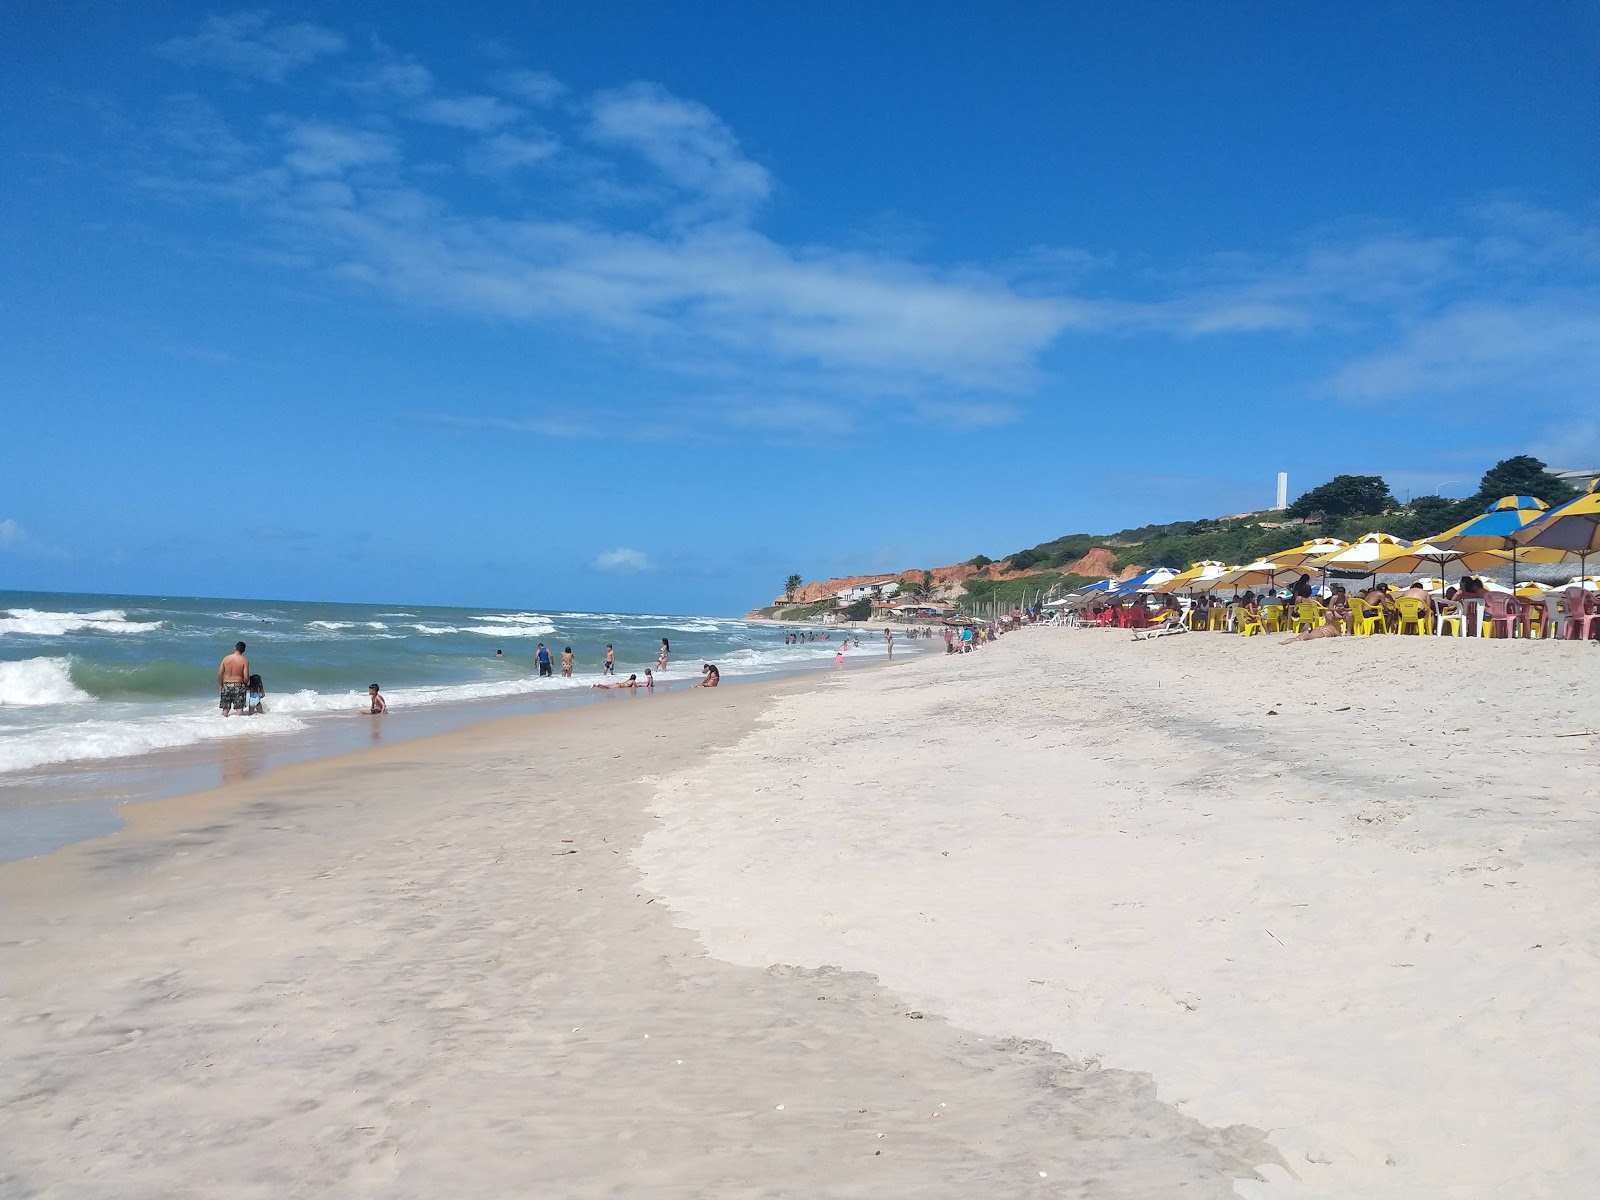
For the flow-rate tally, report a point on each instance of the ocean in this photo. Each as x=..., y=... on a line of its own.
x=109, y=698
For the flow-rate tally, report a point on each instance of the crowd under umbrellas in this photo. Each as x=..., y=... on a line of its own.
x=1512, y=533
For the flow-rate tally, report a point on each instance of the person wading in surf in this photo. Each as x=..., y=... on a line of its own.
x=233, y=679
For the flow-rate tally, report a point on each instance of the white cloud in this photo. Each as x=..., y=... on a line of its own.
x=316, y=148
x=622, y=561
x=1531, y=352
x=249, y=44
x=11, y=533
x=476, y=113
x=684, y=140
x=536, y=87
x=507, y=152
x=394, y=78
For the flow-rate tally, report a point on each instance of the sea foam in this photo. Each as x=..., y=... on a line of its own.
x=39, y=623
x=38, y=681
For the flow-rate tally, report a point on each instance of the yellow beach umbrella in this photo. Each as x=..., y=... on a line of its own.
x=1425, y=556
x=1191, y=580
x=1363, y=555
x=1263, y=570
x=1306, y=551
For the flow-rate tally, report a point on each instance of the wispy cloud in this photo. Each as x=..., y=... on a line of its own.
x=536, y=87
x=688, y=145
x=636, y=216
x=476, y=113
x=11, y=533
x=622, y=561
x=251, y=45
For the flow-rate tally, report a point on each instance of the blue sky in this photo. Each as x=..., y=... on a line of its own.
x=643, y=306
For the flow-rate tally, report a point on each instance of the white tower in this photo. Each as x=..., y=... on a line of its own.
x=1283, y=490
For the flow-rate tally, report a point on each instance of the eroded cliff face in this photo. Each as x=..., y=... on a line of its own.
x=947, y=581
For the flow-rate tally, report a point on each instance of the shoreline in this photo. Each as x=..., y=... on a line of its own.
x=431, y=968
x=59, y=804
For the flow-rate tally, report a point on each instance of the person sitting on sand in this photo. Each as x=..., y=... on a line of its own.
x=1339, y=607
x=376, y=704
x=631, y=683
x=649, y=680
x=1329, y=628
x=254, y=696
x=709, y=676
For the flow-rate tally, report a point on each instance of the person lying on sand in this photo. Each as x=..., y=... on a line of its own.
x=1328, y=628
x=629, y=684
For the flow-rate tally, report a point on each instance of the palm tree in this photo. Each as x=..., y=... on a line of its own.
x=792, y=585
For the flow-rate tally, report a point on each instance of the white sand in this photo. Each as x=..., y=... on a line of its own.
x=1369, y=924
x=431, y=971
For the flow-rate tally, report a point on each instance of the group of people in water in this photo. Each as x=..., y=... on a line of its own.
x=242, y=692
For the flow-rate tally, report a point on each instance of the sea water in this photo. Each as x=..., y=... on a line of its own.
x=90, y=682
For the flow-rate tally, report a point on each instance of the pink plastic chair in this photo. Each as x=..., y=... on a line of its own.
x=1577, y=614
x=1501, y=610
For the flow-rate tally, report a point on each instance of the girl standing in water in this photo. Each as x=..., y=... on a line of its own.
x=661, y=659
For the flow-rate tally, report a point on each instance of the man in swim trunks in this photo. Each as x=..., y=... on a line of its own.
x=233, y=679
x=544, y=660
x=611, y=661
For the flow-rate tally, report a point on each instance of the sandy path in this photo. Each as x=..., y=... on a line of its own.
x=1333, y=890
x=431, y=970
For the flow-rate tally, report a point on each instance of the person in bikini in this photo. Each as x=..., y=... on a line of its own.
x=709, y=676
x=566, y=663
x=233, y=682
x=630, y=684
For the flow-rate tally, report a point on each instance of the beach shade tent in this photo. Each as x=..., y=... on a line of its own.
x=1101, y=588
x=1364, y=556
x=1573, y=528
x=1194, y=579
x=1496, y=530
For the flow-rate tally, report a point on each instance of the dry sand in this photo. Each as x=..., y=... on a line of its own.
x=432, y=970
x=1345, y=891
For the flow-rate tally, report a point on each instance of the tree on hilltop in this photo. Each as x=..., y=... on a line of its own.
x=1523, y=475
x=792, y=585
x=1344, y=496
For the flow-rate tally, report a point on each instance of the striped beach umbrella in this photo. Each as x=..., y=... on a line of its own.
x=1365, y=555
x=1193, y=579
x=1572, y=528
x=1306, y=551
x=1496, y=530
x=1425, y=556
x=1263, y=570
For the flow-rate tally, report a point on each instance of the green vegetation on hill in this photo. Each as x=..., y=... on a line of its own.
x=1345, y=507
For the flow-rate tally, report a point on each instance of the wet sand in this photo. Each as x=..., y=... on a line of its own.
x=432, y=969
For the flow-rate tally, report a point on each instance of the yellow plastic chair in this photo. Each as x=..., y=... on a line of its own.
x=1217, y=618
x=1247, y=624
x=1452, y=621
x=1364, y=619
x=1272, y=618
x=1307, y=614
x=1413, y=614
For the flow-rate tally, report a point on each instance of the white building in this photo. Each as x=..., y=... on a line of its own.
x=878, y=588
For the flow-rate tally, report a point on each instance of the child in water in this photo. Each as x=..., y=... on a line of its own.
x=256, y=693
